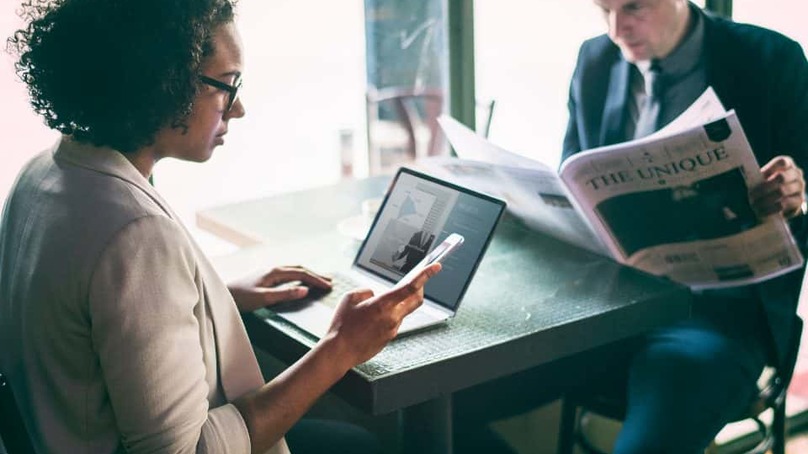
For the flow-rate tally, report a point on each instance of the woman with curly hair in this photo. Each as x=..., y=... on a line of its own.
x=116, y=332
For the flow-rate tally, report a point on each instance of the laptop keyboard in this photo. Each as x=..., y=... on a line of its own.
x=340, y=284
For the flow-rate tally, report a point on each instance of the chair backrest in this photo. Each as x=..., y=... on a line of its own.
x=772, y=395
x=410, y=129
x=773, y=391
x=12, y=430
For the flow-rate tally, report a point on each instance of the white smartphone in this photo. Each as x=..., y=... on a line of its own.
x=441, y=251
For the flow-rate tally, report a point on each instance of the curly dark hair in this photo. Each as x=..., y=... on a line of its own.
x=114, y=72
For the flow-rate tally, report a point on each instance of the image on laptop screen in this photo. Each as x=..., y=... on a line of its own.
x=417, y=215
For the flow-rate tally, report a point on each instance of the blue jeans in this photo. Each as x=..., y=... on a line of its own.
x=683, y=383
x=687, y=381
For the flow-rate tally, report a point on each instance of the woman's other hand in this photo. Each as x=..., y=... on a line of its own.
x=280, y=284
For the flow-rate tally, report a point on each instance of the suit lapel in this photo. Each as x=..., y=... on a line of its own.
x=721, y=73
x=613, y=126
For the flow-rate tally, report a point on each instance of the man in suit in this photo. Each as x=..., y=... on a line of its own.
x=414, y=251
x=686, y=381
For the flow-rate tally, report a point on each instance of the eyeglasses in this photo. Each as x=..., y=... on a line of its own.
x=232, y=90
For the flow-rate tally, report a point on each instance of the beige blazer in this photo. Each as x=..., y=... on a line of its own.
x=115, y=331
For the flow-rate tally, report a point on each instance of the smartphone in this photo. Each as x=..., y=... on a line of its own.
x=441, y=251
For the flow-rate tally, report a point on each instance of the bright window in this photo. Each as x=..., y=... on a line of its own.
x=304, y=86
x=304, y=89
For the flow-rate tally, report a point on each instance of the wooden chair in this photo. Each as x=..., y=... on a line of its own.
x=403, y=125
x=772, y=395
x=12, y=430
x=410, y=129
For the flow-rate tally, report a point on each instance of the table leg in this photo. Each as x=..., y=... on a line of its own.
x=427, y=427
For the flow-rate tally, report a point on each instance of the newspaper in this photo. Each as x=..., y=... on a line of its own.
x=673, y=204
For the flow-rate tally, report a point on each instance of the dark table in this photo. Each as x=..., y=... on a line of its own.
x=533, y=301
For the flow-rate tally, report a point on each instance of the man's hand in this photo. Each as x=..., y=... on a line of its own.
x=782, y=189
x=266, y=289
x=363, y=323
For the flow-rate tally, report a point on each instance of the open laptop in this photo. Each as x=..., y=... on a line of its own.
x=417, y=214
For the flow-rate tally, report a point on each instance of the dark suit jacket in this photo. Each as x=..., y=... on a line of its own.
x=759, y=73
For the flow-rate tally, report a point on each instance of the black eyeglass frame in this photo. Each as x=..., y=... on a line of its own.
x=232, y=90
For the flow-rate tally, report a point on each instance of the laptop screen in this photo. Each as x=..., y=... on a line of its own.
x=418, y=213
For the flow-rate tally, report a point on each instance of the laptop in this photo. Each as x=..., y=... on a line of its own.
x=418, y=213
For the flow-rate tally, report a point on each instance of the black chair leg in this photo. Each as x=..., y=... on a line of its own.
x=566, y=432
x=779, y=429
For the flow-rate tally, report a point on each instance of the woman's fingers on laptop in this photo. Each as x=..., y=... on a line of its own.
x=249, y=298
x=285, y=274
x=278, y=285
